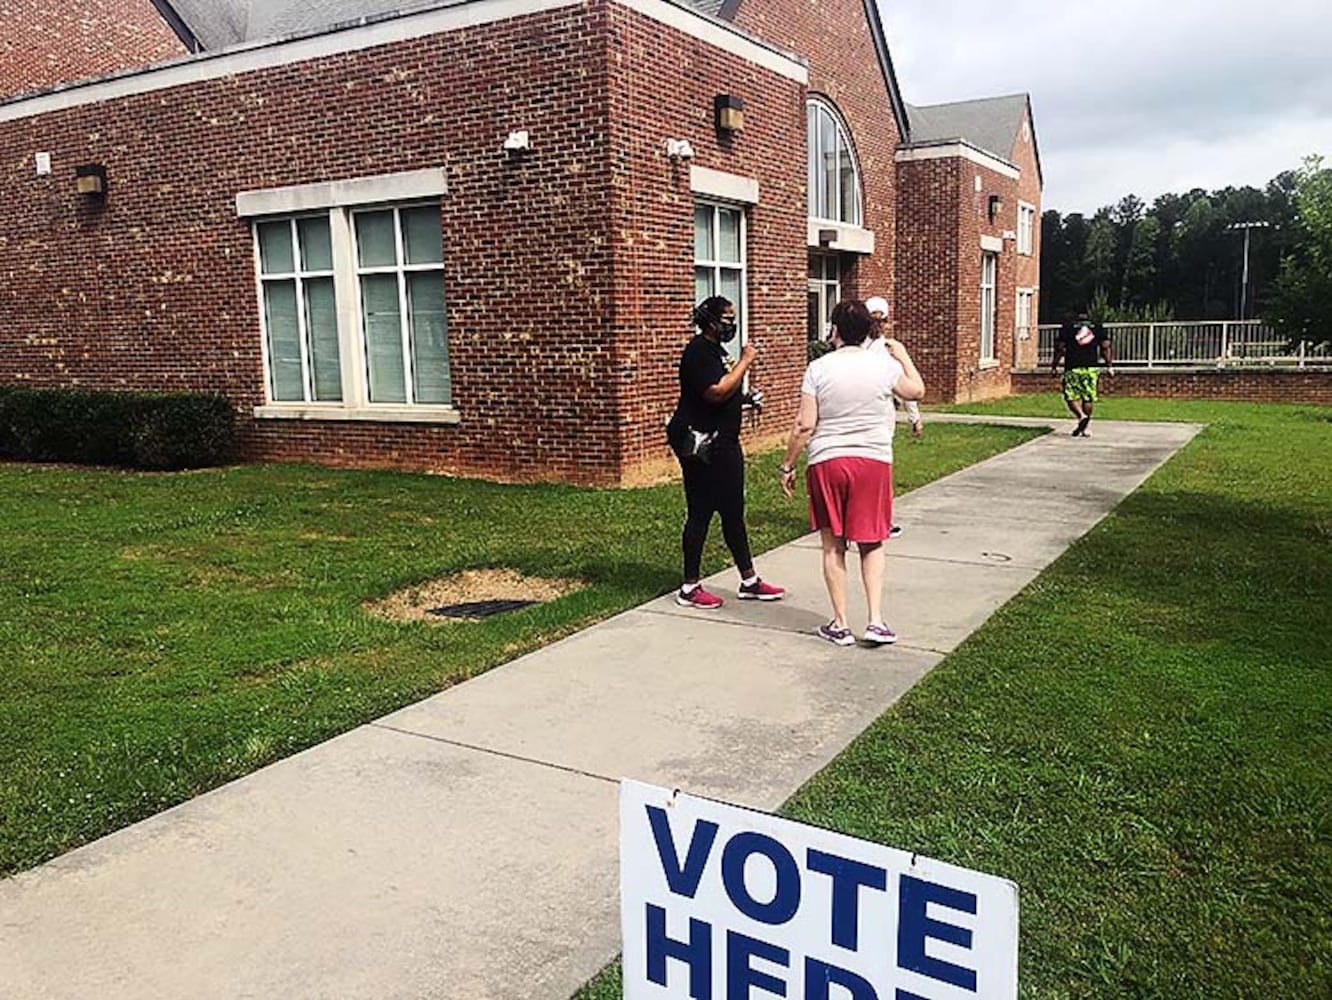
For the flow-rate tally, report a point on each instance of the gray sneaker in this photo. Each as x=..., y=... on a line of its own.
x=838, y=634
x=880, y=635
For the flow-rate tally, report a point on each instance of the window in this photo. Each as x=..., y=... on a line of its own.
x=1022, y=320
x=988, y=304
x=834, y=180
x=825, y=291
x=383, y=266
x=1026, y=228
x=400, y=263
x=719, y=261
x=300, y=314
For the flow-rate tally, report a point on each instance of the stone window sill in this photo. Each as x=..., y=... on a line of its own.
x=370, y=414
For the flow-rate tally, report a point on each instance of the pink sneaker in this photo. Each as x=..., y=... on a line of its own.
x=760, y=591
x=698, y=598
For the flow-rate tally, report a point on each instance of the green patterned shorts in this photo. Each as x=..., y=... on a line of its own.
x=1080, y=383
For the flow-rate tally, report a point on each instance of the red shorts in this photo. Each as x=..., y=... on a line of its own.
x=852, y=497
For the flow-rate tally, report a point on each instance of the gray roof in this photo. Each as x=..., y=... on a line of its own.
x=217, y=24
x=990, y=123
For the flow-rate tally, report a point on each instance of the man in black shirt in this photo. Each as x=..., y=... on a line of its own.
x=1079, y=343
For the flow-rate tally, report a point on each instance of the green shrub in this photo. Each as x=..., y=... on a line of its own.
x=135, y=429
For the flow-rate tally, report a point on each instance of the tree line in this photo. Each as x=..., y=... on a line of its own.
x=1182, y=257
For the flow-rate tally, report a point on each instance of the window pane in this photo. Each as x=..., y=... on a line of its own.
x=316, y=244
x=321, y=326
x=847, y=167
x=275, y=251
x=284, y=341
x=430, y=347
x=422, y=239
x=728, y=235
x=703, y=233
x=375, y=245
x=730, y=288
x=812, y=140
x=382, y=322
x=828, y=173
x=702, y=284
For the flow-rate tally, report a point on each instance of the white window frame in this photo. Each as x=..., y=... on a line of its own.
x=354, y=357
x=829, y=290
x=1026, y=229
x=400, y=269
x=989, y=304
x=717, y=266
x=816, y=154
x=1026, y=297
x=339, y=199
x=298, y=276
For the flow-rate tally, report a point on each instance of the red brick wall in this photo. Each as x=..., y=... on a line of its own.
x=568, y=270
x=43, y=43
x=1028, y=268
x=155, y=289
x=653, y=223
x=942, y=219
x=1255, y=385
x=834, y=36
x=927, y=293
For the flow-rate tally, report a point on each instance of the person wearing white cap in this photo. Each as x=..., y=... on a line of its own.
x=878, y=309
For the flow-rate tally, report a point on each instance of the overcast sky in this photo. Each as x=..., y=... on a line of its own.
x=1133, y=96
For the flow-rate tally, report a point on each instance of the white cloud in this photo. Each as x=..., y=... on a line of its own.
x=1141, y=97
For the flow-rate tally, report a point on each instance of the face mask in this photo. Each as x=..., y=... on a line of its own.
x=726, y=331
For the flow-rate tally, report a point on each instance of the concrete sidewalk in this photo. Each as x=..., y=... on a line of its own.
x=465, y=847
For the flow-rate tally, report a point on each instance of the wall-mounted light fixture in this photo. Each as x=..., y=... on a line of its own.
x=517, y=142
x=996, y=205
x=679, y=149
x=90, y=179
x=730, y=113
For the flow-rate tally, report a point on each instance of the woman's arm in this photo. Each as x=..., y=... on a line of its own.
x=806, y=419
x=721, y=391
x=910, y=386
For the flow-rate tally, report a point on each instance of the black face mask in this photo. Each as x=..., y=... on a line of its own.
x=726, y=331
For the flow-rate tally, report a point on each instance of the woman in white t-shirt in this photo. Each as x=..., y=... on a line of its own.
x=846, y=418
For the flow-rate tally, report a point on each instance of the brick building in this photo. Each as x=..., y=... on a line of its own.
x=466, y=237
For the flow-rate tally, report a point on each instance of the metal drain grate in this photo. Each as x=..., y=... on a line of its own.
x=479, y=609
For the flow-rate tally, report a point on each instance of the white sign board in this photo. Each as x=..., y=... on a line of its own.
x=722, y=903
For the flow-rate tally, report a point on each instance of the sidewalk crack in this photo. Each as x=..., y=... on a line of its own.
x=496, y=753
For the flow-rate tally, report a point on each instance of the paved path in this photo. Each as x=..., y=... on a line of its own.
x=464, y=848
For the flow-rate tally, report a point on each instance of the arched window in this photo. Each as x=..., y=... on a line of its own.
x=834, y=179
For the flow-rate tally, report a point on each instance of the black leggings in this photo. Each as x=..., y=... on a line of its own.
x=718, y=487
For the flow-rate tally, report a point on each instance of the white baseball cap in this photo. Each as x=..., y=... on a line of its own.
x=876, y=304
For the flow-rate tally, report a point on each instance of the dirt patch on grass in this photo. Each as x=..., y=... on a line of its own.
x=413, y=604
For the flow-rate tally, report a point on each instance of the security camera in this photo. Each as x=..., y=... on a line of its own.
x=679, y=149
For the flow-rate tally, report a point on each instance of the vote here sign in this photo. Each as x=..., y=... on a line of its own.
x=722, y=903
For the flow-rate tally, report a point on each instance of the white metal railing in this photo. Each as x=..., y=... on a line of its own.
x=1222, y=343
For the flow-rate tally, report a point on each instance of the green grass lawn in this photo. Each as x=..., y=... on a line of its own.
x=1142, y=739
x=162, y=634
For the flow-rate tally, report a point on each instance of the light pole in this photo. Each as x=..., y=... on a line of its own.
x=1244, y=278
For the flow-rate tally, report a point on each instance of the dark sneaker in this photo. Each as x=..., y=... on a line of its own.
x=1081, y=429
x=894, y=531
x=698, y=598
x=838, y=634
x=880, y=635
x=760, y=591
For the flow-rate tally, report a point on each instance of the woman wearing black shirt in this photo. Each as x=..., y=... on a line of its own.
x=710, y=403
